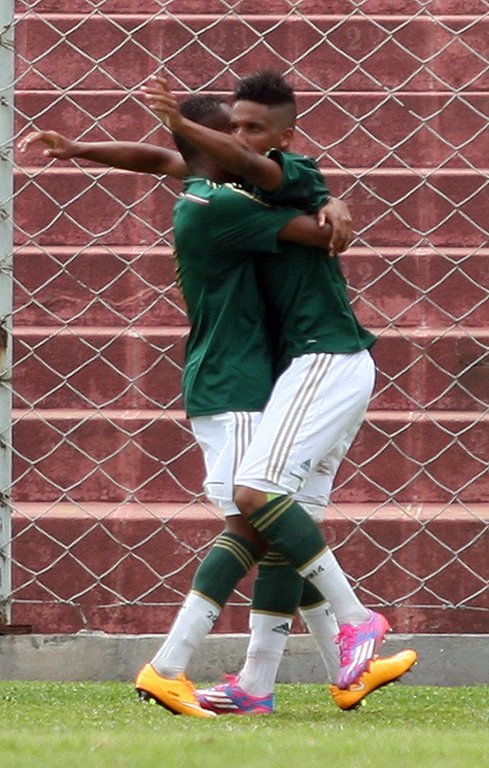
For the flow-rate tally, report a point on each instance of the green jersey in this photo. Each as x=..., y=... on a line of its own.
x=302, y=182
x=217, y=227
x=304, y=288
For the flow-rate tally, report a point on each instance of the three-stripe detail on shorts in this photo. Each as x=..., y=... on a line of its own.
x=243, y=434
x=297, y=410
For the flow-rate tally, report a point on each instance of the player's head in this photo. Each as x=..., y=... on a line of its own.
x=211, y=111
x=264, y=111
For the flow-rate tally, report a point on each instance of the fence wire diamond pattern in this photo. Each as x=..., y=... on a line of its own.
x=106, y=518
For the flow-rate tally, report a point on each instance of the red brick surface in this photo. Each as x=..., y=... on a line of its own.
x=107, y=530
x=196, y=60
x=115, y=455
x=350, y=125
x=150, y=559
x=392, y=206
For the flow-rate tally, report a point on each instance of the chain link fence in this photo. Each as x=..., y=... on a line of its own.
x=102, y=513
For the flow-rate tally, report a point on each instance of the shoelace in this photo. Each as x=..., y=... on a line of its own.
x=188, y=683
x=227, y=679
x=346, y=640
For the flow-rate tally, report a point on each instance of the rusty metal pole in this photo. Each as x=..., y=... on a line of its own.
x=6, y=300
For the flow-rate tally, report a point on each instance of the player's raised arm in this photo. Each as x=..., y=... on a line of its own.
x=58, y=146
x=232, y=154
x=126, y=155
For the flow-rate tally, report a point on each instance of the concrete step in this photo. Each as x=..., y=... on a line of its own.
x=61, y=44
x=364, y=129
x=100, y=565
x=82, y=367
x=117, y=455
x=118, y=284
x=394, y=207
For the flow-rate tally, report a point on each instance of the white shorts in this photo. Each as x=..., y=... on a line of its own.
x=225, y=437
x=316, y=408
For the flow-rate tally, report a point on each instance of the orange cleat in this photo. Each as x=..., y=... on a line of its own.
x=175, y=694
x=380, y=672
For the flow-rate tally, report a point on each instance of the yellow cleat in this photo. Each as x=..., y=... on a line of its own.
x=380, y=672
x=175, y=694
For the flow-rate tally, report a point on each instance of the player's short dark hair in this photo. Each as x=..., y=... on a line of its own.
x=270, y=88
x=204, y=110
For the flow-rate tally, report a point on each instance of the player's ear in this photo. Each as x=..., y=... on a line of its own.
x=286, y=138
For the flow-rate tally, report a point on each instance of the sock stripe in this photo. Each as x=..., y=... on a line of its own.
x=274, y=559
x=247, y=563
x=240, y=552
x=278, y=614
x=277, y=508
x=206, y=597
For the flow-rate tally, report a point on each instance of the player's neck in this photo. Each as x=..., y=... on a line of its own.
x=209, y=169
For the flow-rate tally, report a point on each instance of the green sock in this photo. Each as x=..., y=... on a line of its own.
x=311, y=596
x=289, y=529
x=278, y=586
x=224, y=566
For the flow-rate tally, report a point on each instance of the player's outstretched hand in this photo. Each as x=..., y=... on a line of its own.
x=337, y=213
x=58, y=146
x=162, y=101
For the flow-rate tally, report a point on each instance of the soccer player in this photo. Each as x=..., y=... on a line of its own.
x=273, y=126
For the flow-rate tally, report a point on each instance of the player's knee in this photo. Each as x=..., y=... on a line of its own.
x=248, y=500
x=239, y=525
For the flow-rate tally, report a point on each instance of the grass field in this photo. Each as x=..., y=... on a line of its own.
x=82, y=725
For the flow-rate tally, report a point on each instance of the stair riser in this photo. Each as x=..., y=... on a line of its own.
x=356, y=129
x=133, y=371
x=99, y=211
x=142, y=560
x=82, y=371
x=424, y=462
x=147, y=7
x=326, y=51
x=97, y=288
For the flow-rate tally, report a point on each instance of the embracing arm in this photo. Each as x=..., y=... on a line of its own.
x=127, y=155
x=226, y=149
x=306, y=231
x=337, y=214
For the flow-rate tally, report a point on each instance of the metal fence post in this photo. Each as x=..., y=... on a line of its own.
x=6, y=268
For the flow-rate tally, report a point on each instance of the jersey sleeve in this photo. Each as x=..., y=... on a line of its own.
x=303, y=185
x=247, y=223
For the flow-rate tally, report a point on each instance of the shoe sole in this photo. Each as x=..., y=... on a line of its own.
x=240, y=713
x=150, y=698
